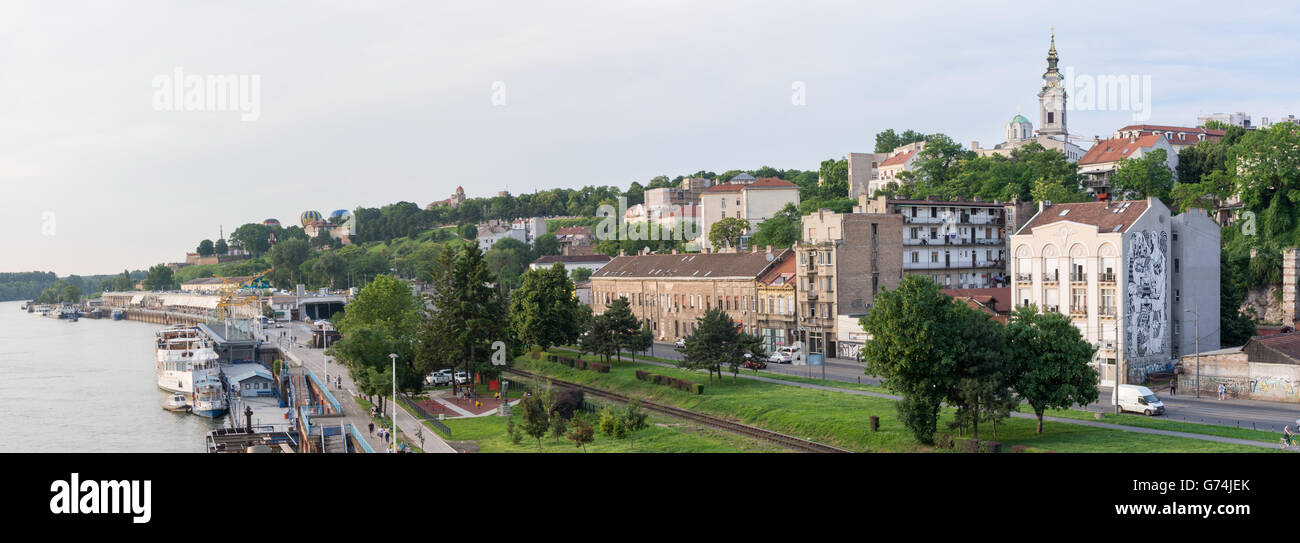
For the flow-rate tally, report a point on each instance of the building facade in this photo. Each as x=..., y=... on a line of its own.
x=958, y=243
x=1115, y=270
x=777, y=319
x=754, y=200
x=1103, y=158
x=844, y=261
x=672, y=291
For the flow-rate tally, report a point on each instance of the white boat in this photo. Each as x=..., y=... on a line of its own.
x=182, y=357
x=209, y=398
x=176, y=402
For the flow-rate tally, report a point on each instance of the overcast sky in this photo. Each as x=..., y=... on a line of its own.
x=367, y=103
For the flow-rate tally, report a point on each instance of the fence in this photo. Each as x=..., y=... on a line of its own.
x=426, y=416
x=356, y=436
x=334, y=404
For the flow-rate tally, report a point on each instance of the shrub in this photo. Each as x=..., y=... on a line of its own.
x=944, y=441
x=641, y=375
x=970, y=446
x=580, y=364
x=699, y=389
x=991, y=446
x=597, y=366
x=567, y=402
x=608, y=421
x=552, y=358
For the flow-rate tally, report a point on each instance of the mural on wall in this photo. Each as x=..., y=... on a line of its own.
x=1146, y=313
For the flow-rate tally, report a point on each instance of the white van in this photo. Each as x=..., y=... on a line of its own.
x=1138, y=399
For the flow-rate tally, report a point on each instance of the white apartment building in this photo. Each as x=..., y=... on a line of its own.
x=755, y=201
x=1124, y=272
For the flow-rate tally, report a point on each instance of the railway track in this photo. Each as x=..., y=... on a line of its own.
x=795, y=443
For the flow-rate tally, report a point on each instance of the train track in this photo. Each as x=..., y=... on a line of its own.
x=795, y=443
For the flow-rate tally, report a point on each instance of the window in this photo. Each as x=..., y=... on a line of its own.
x=916, y=256
x=934, y=257
x=1051, y=117
x=1175, y=265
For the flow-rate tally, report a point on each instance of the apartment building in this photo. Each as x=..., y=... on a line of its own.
x=844, y=261
x=672, y=291
x=957, y=243
x=1130, y=276
x=777, y=319
x=1103, y=158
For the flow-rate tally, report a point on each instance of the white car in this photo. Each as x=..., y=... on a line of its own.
x=780, y=357
x=462, y=377
x=681, y=342
x=439, y=378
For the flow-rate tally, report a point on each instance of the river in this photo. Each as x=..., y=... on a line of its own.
x=85, y=386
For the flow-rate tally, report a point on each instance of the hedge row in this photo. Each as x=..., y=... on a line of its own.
x=946, y=441
x=680, y=384
x=578, y=363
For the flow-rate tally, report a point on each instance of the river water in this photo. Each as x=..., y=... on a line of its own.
x=86, y=386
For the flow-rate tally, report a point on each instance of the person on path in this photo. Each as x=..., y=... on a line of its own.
x=1173, y=387
x=1223, y=391
x=372, y=428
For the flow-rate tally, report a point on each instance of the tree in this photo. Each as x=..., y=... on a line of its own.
x=1051, y=358
x=579, y=275
x=1144, y=177
x=159, y=278
x=537, y=418
x=727, y=231
x=983, y=386
x=717, y=341
x=641, y=341
x=220, y=247
x=383, y=318
x=598, y=337
x=287, y=258
x=468, y=314
x=632, y=419
x=123, y=283
x=543, y=310
x=916, y=348
x=582, y=433
x=468, y=231
x=624, y=329
x=888, y=140
x=780, y=231
x=547, y=244
x=205, y=248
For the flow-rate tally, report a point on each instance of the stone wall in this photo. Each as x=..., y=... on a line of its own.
x=1241, y=378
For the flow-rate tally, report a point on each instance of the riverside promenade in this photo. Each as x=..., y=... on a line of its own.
x=315, y=360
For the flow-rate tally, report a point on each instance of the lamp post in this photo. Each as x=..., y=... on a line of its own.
x=394, y=357
x=1197, y=331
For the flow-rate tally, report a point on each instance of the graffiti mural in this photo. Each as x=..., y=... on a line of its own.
x=1146, y=313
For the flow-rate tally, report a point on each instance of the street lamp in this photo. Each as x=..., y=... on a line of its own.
x=394, y=357
x=1197, y=331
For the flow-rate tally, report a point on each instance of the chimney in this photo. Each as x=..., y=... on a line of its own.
x=622, y=252
x=674, y=251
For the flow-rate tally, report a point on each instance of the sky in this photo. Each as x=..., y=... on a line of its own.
x=369, y=103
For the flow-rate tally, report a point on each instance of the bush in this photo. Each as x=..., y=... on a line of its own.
x=537, y=355
x=991, y=446
x=875, y=423
x=641, y=375
x=552, y=358
x=944, y=441
x=597, y=366
x=580, y=364
x=699, y=389
x=567, y=402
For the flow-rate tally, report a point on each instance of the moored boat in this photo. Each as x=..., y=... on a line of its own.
x=182, y=357
x=209, y=398
x=176, y=402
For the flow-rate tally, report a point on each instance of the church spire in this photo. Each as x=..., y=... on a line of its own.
x=1052, y=59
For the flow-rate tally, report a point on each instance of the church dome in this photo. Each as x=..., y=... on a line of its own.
x=1018, y=119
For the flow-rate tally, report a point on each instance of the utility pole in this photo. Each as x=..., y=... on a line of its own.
x=1198, y=351
x=394, y=357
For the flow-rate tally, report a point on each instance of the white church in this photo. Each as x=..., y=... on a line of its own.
x=1051, y=117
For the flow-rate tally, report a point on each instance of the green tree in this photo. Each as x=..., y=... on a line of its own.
x=544, y=310
x=467, y=231
x=780, y=231
x=160, y=278
x=579, y=275
x=598, y=337
x=287, y=258
x=715, y=342
x=123, y=283
x=220, y=247
x=1148, y=176
x=917, y=350
x=205, y=248
x=1051, y=358
x=624, y=328
x=727, y=231
x=888, y=140
x=983, y=388
x=547, y=244
x=582, y=433
x=537, y=418
x=468, y=314
x=633, y=419
x=383, y=318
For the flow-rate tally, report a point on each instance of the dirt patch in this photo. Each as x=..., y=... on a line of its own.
x=464, y=446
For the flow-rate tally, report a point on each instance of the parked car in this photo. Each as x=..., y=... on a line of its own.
x=439, y=378
x=462, y=377
x=753, y=363
x=681, y=342
x=780, y=357
x=279, y=325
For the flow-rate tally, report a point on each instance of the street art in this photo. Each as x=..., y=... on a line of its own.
x=1146, y=313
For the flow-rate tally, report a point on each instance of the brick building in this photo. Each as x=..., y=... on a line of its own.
x=673, y=290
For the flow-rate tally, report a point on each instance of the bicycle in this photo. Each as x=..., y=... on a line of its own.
x=1293, y=445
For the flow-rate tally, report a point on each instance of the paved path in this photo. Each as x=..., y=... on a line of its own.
x=1093, y=424
x=315, y=360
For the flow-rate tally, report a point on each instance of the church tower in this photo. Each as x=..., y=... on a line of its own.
x=1051, y=100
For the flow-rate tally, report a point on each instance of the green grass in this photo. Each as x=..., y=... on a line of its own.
x=841, y=419
x=664, y=435
x=383, y=421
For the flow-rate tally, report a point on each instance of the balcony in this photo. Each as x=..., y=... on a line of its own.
x=1079, y=311
x=1078, y=278
x=1106, y=277
x=1051, y=277
x=1107, y=312
x=1024, y=278
x=953, y=242
x=812, y=295
x=1052, y=309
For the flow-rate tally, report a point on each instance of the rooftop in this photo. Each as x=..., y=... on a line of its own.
x=897, y=159
x=1115, y=149
x=1108, y=216
x=996, y=299
x=691, y=266
x=550, y=259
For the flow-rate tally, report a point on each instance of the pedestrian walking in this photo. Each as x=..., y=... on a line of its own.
x=1223, y=391
x=372, y=428
x=1173, y=387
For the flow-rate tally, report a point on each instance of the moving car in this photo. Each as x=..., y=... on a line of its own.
x=1138, y=399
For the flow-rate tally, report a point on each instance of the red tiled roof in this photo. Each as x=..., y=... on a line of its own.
x=1178, y=135
x=1099, y=214
x=1115, y=149
x=574, y=231
x=770, y=182
x=725, y=187
x=785, y=268
x=899, y=158
x=997, y=299
x=550, y=259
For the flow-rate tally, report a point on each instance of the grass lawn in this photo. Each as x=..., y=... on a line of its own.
x=664, y=435
x=841, y=419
